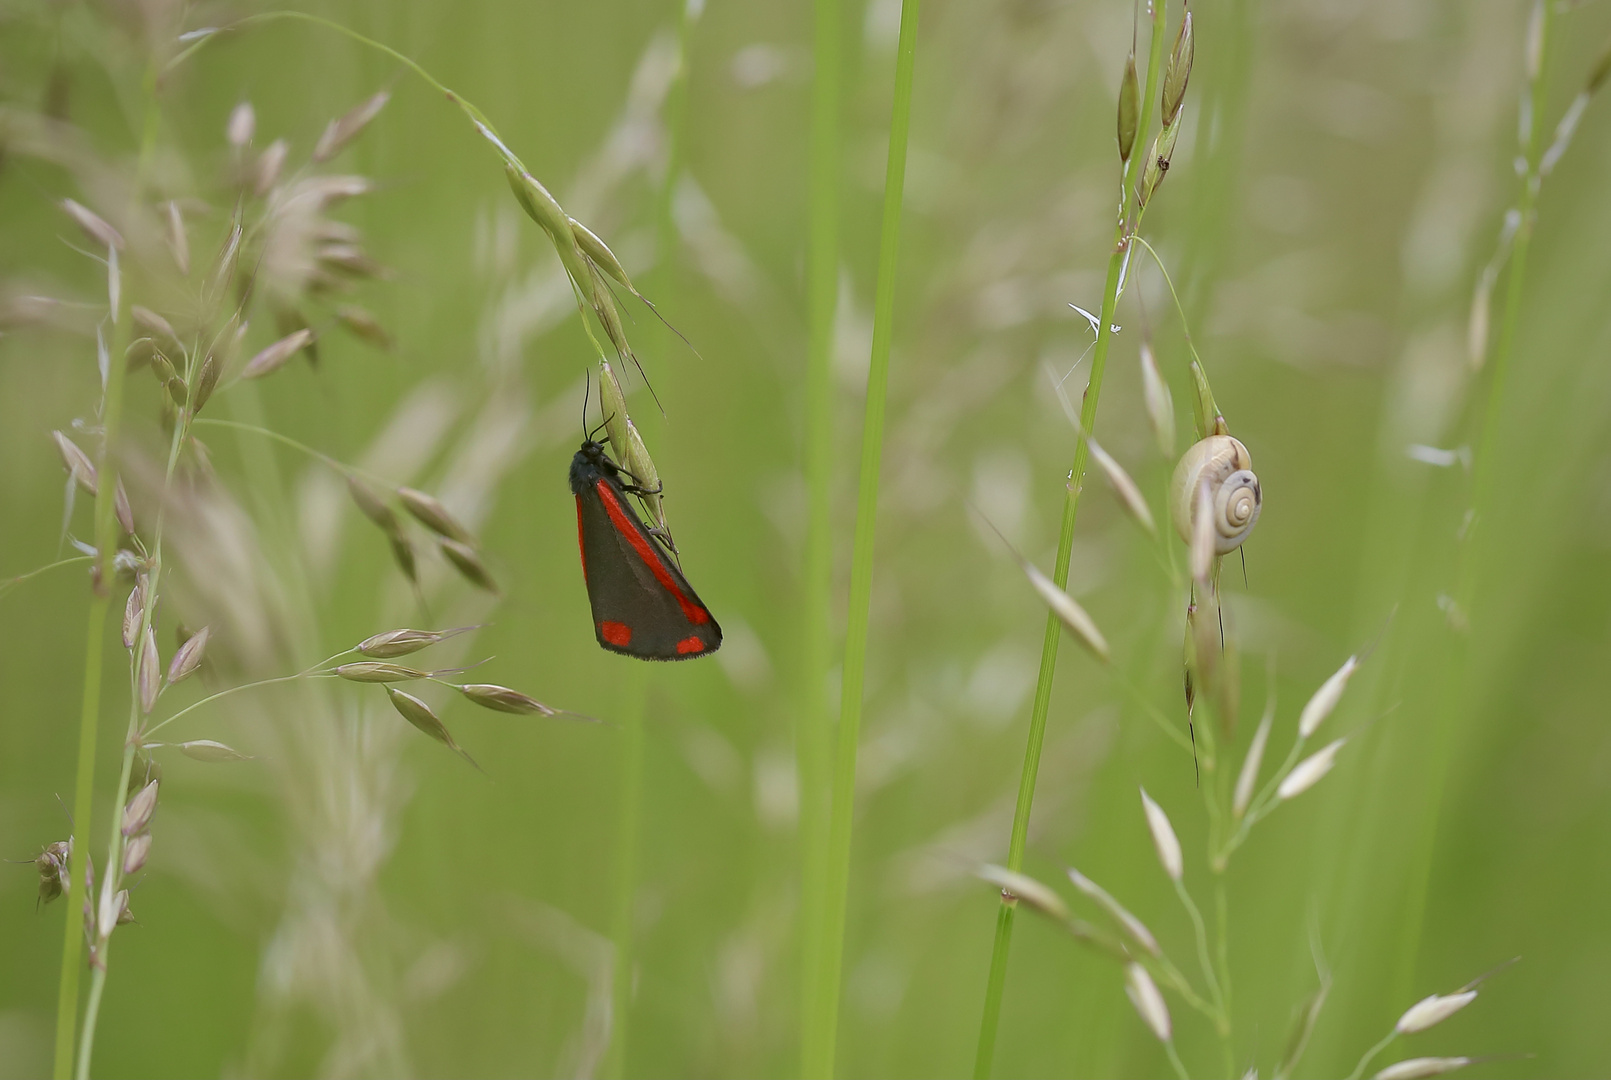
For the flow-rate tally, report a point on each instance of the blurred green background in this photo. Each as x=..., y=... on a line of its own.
x=358, y=902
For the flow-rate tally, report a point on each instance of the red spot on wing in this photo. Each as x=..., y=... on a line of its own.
x=617, y=634
x=640, y=543
x=581, y=542
x=690, y=645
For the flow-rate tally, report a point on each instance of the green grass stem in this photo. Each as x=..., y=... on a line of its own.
x=630, y=823
x=996, y=982
x=813, y=737
x=818, y=1055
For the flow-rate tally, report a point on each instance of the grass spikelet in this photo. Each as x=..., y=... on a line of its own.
x=95, y=227
x=178, y=242
x=430, y=512
x=78, y=464
x=1156, y=396
x=1129, y=108
x=1148, y=1001
x=189, y=656
x=419, y=714
x=133, y=611
x=376, y=671
x=394, y=643
x=364, y=326
x=148, y=671
x=502, y=699
x=1178, y=72
x=1421, y=1067
x=135, y=853
x=275, y=356
x=348, y=126
x=467, y=561
x=1036, y=894
x=1248, y=778
x=137, y=813
x=1325, y=699
x=266, y=172
x=1133, y=927
x=1310, y=771
x=1432, y=1010
x=1163, y=837
x=211, y=751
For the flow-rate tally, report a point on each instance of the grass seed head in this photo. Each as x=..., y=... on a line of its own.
x=364, y=326
x=211, y=752
x=403, y=555
x=78, y=464
x=430, y=512
x=1178, y=72
x=1067, y=610
x=468, y=563
x=135, y=852
x=1148, y=1001
x=1432, y=1010
x=266, y=172
x=1160, y=405
x=376, y=671
x=1249, y=776
x=189, y=656
x=1163, y=837
x=419, y=714
x=539, y=205
x=347, y=127
x=137, y=814
x=1310, y=771
x=121, y=508
x=1325, y=699
x=393, y=643
x=1129, y=109
x=1016, y=886
x=1133, y=927
x=1205, y=410
x=133, y=609
x=154, y=324
x=242, y=124
x=274, y=357
x=148, y=671
x=206, y=383
x=95, y=227
x=371, y=505
x=178, y=242
x=600, y=255
x=1124, y=487
x=1417, y=1068
x=502, y=699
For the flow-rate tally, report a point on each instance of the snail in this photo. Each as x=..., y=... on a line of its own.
x=1225, y=466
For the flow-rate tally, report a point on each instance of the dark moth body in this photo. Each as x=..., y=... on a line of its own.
x=642, y=605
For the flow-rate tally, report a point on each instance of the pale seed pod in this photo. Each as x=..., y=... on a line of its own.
x=430, y=512
x=269, y=163
x=371, y=505
x=78, y=464
x=189, y=656
x=153, y=323
x=1163, y=837
x=148, y=671
x=1204, y=409
x=419, y=714
x=1016, y=886
x=242, y=124
x=95, y=227
x=1125, y=488
x=502, y=699
x=1148, y=1001
x=600, y=255
x=1432, y=1010
x=1178, y=72
x=1158, y=157
x=346, y=127
x=539, y=205
x=1221, y=466
x=273, y=357
x=135, y=852
x=1309, y=772
x=1132, y=926
x=178, y=242
x=206, y=383
x=376, y=671
x=1325, y=699
x=133, y=609
x=1129, y=108
x=364, y=325
x=137, y=814
x=121, y=508
x=213, y=753
x=1417, y=1068
x=394, y=643
x=403, y=554
x=1248, y=777
x=1067, y=610
x=1160, y=405
x=468, y=563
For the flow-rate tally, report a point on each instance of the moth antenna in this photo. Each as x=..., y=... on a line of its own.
x=587, y=391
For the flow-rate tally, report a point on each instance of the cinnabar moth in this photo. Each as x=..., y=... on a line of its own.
x=642, y=605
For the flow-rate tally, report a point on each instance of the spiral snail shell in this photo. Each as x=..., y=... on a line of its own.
x=1224, y=464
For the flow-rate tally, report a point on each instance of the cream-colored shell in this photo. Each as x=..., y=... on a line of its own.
x=1226, y=467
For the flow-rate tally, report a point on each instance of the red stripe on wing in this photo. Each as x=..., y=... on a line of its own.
x=581, y=539
x=692, y=611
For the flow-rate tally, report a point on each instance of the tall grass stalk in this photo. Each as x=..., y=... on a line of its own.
x=997, y=979
x=818, y=1054
x=1469, y=554
x=813, y=739
x=95, y=630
